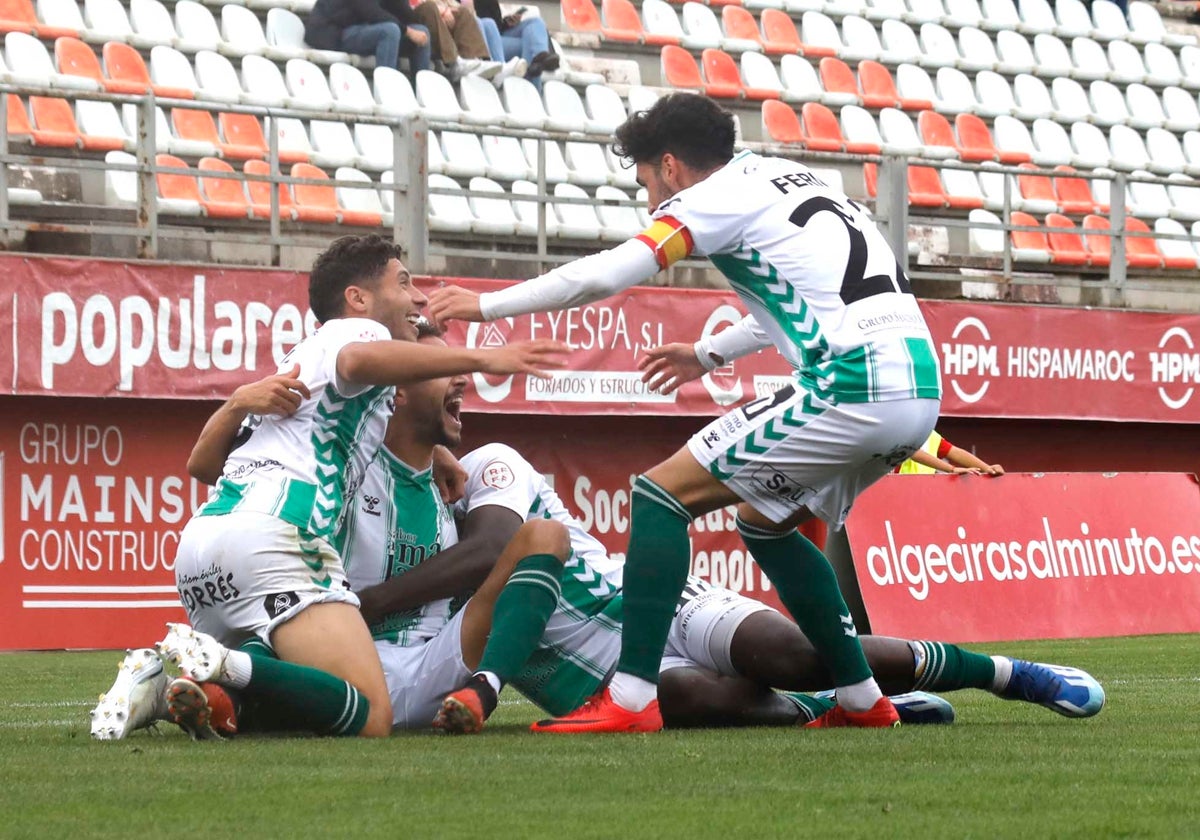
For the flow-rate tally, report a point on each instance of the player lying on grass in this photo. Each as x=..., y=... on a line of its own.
x=257, y=560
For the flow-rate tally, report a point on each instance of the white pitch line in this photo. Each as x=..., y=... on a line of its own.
x=44, y=705
x=34, y=724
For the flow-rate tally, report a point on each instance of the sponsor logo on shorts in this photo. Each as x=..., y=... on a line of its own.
x=712, y=438
x=279, y=603
x=774, y=483
x=498, y=475
x=898, y=455
x=208, y=588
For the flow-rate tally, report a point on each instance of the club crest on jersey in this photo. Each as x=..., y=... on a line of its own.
x=498, y=475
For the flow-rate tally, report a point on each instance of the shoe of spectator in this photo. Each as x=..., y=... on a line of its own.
x=543, y=62
x=486, y=69
x=514, y=67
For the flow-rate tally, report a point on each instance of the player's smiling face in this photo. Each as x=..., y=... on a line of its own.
x=433, y=408
x=396, y=303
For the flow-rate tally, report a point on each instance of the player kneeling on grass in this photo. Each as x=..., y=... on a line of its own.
x=257, y=563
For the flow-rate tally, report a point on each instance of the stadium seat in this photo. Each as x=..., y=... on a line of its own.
x=376, y=146
x=703, y=31
x=1001, y=16
x=1102, y=190
x=524, y=105
x=1073, y=19
x=19, y=16
x=621, y=22
x=779, y=33
x=1036, y=191
x=1071, y=103
x=1073, y=195
x=606, y=109
x=938, y=47
x=899, y=42
x=1146, y=27
x=196, y=27
x=1147, y=199
x=244, y=133
x=1145, y=108
x=975, y=140
x=1029, y=245
x=760, y=75
x=739, y=25
x=125, y=72
x=1014, y=53
x=448, y=213
x=722, y=78
x=936, y=133
x=506, y=159
x=994, y=95
x=955, y=92
x=565, y=107
x=585, y=163
x=879, y=89
x=54, y=124
x=885, y=10
x=481, y=99
x=580, y=15
x=60, y=16
x=1109, y=20
x=575, y=221
x=439, y=102
x=900, y=136
x=171, y=70
x=75, y=58
x=313, y=202
x=1090, y=60
x=1142, y=251
x=492, y=216
x=642, y=98
x=1126, y=62
x=660, y=20
x=223, y=198
x=1182, y=113
x=351, y=90
x=307, y=86
x=1051, y=142
x=241, y=31
x=100, y=119
x=106, y=21
x=333, y=145
x=861, y=40
x=1108, y=105
x=393, y=92
x=152, y=25
x=435, y=159
x=821, y=130
x=527, y=211
x=1031, y=98
x=1013, y=137
x=285, y=40
x=913, y=83
x=1162, y=66
x=679, y=69
x=178, y=193
x=780, y=123
x=1176, y=253
x=1191, y=149
x=1097, y=240
x=962, y=188
x=820, y=35
x=120, y=185
x=197, y=127
x=859, y=129
x=617, y=223
x=1184, y=193
x=960, y=13
x=837, y=77
x=1128, y=149
x=985, y=241
x=1053, y=57
x=556, y=165
x=291, y=140
x=925, y=11
x=216, y=79
x=800, y=84
x=29, y=64
x=1037, y=15
x=464, y=154
x=992, y=184
x=357, y=205
x=260, y=192
x=976, y=50
x=1066, y=244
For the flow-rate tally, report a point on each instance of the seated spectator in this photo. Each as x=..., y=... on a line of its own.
x=518, y=36
x=458, y=45
x=364, y=27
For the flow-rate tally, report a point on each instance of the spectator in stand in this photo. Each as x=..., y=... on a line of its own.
x=940, y=455
x=364, y=27
x=517, y=36
x=458, y=46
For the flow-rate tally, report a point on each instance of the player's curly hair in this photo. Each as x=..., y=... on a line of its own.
x=348, y=261
x=693, y=128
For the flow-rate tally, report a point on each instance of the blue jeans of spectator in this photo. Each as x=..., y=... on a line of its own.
x=491, y=37
x=387, y=43
x=526, y=39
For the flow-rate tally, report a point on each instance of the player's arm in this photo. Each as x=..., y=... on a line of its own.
x=962, y=458
x=667, y=367
x=458, y=569
x=279, y=394
x=405, y=362
x=933, y=462
x=581, y=281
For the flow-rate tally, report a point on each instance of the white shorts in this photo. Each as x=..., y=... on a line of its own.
x=702, y=632
x=243, y=574
x=420, y=676
x=791, y=450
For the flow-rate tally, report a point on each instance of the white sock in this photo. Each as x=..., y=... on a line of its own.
x=632, y=693
x=492, y=679
x=236, y=670
x=860, y=696
x=1003, y=673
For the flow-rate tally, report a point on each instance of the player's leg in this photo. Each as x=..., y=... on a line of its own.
x=693, y=697
x=505, y=619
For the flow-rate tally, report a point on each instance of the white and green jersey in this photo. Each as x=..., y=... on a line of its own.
x=302, y=468
x=396, y=521
x=815, y=273
x=583, y=636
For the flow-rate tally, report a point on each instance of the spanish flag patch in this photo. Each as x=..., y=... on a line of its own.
x=669, y=239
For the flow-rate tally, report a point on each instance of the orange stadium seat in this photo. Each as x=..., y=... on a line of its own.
x=879, y=89
x=723, y=79
x=779, y=33
x=126, y=72
x=739, y=23
x=222, y=198
x=1073, y=195
x=193, y=124
x=245, y=133
x=822, y=133
x=837, y=77
x=260, y=192
x=679, y=68
x=1066, y=245
x=974, y=134
x=176, y=186
x=313, y=202
x=1096, y=239
x=925, y=188
x=621, y=22
x=54, y=125
x=935, y=131
x=19, y=16
x=1036, y=188
x=1143, y=251
x=18, y=119
x=781, y=123
x=1028, y=240
x=580, y=15
x=76, y=58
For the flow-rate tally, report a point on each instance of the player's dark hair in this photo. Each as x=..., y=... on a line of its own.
x=693, y=128
x=348, y=261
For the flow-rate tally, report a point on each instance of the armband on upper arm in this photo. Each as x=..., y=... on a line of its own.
x=669, y=239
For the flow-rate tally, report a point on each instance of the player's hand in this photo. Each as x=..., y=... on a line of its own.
x=994, y=470
x=667, y=367
x=531, y=357
x=279, y=394
x=967, y=471
x=452, y=303
x=448, y=475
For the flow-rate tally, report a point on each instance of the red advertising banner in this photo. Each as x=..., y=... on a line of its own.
x=1052, y=362
x=1029, y=556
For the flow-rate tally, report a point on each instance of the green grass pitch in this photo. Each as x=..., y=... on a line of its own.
x=1003, y=770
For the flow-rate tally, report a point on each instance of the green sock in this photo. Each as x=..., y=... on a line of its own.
x=656, y=568
x=522, y=610
x=944, y=667
x=808, y=587
x=810, y=707
x=284, y=696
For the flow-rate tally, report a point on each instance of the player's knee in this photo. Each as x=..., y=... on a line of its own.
x=544, y=536
x=681, y=698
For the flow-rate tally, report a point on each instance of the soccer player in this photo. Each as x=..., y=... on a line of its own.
x=257, y=559
x=818, y=276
